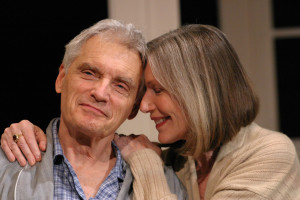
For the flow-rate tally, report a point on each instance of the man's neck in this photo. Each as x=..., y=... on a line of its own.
x=84, y=146
x=91, y=158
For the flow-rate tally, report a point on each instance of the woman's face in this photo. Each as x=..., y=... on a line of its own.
x=164, y=111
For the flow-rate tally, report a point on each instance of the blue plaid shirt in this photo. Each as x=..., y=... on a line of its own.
x=66, y=183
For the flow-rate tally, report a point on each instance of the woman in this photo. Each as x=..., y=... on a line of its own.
x=197, y=92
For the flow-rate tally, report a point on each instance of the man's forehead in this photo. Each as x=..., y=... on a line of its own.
x=111, y=57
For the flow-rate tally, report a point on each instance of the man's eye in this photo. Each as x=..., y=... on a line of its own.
x=88, y=73
x=121, y=86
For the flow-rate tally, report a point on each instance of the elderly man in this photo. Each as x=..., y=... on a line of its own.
x=100, y=86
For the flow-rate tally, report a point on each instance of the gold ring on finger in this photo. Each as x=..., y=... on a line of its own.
x=16, y=137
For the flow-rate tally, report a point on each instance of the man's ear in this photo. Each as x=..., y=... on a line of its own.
x=60, y=78
x=138, y=101
x=134, y=111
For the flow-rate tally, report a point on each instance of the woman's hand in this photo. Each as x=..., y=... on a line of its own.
x=31, y=139
x=132, y=143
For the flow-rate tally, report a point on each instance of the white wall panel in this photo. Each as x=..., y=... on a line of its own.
x=248, y=26
x=153, y=17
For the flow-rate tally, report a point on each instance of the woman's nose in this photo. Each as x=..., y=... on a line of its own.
x=147, y=104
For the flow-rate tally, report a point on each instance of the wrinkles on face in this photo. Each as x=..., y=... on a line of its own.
x=100, y=88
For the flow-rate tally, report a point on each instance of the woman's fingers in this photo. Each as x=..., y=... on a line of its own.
x=23, y=140
x=17, y=150
x=35, y=140
x=132, y=143
x=121, y=140
x=27, y=144
x=41, y=138
x=11, y=148
x=24, y=149
x=7, y=150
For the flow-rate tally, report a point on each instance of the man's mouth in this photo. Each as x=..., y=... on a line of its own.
x=94, y=109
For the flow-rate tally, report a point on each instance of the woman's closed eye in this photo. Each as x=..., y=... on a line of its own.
x=157, y=90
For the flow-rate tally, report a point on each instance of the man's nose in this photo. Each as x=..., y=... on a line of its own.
x=101, y=90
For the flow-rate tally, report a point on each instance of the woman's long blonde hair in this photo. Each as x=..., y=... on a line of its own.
x=200, y=69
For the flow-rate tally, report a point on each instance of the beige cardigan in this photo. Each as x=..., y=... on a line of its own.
x=256, y=164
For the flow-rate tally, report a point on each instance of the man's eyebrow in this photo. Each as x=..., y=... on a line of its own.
x=88, y=66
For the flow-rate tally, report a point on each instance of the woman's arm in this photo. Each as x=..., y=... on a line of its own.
x=147, y=167
x=31, y=141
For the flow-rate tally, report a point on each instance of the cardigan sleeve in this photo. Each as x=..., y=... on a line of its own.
x=149, y=179
x=265, y=168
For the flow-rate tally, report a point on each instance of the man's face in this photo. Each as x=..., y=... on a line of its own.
x=99, y=90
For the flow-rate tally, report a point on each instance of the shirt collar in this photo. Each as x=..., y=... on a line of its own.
x=58, y=155
x=120, y=163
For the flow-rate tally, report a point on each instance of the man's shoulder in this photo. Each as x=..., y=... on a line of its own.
x=175, y=185
x=8, y=168
x=29, y=182
x=9, y=173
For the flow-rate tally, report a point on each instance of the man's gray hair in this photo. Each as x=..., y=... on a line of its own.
x=111, y=30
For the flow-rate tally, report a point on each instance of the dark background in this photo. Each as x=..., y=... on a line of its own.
x=287, y=50
x=32, y=39
x=33, y=36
